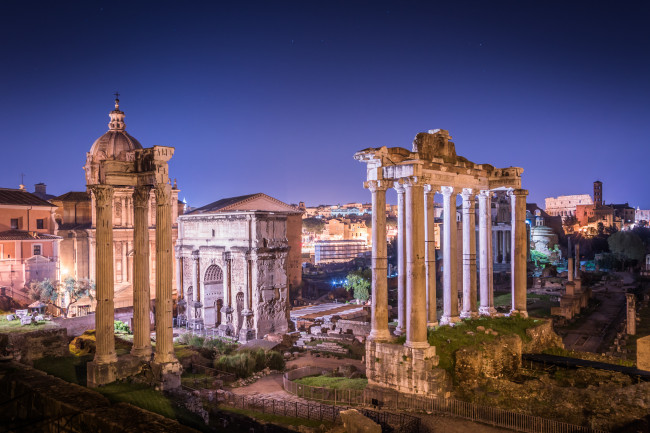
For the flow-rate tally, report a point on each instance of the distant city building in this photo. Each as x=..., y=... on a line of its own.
x=339, y=250
x=29, y=250
x=642, y=215
x=565, y=205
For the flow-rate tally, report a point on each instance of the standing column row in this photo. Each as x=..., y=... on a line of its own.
x=141, y=287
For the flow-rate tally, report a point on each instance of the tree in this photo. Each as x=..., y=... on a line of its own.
x=313, y=225
x=66, y=292
x=627, y=246
x=568, y=223
x=359, y=283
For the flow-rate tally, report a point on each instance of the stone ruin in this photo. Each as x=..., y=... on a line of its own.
x=432, y=166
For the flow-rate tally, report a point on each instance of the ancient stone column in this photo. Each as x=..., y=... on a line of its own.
x=125, y=252
x=141, y=286
x=469, y=255
x=449, y=257
x=569, y=270
x=164, y=263
x=247, y=312
x=484, y=234
x=401, y=261
x=518, y=242
x=196, y=277
x=179, y=277
x=430, y=254
x=379, y=297
x=226, y=310
x=416, y=294
x=631, y=314
x=577, y=261
x=105, y=311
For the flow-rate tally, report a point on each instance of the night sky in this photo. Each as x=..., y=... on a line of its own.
x=277, y=96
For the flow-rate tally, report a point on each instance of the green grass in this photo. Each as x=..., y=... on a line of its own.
x=140, y=395
x=277, y=419
x=195, y=379
x=15, y=326
x=69, y=368
x=642, y=330
x=448, y=339
x=333, y=382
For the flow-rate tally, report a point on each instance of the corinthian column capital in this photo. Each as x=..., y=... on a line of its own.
x=446, y=191
x=412, y=181
x=431, y=189
x=103, y=195
x=378, y=185
x=141, y=196
x=518, y=192
x=163, y=193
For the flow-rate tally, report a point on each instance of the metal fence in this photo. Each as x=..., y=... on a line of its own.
x=392, y=400
x=389, y=422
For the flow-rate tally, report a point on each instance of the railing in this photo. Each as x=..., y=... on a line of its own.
x=403, y=423
x=397, y=401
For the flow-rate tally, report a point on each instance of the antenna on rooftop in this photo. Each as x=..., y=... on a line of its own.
x=22, y=181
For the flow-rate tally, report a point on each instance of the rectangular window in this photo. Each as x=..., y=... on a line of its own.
x=37, y=249
x=14, y=223
x=40, y=224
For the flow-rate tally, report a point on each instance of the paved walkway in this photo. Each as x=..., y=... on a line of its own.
x=590, y=335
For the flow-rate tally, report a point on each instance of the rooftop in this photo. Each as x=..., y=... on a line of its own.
x=21, y=197
x=24, y=235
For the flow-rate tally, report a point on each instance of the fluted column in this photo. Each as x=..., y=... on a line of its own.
x=379, y=297
x=469, y=255
x=141, y=285
x=226, y=310
x=519, y=254
x=430, y=254
x=196, y=277
x=401, y=261
x=485, y=258
x=416, y=294
x=105, y=311
x=125, y=252
x=179, y=277
x=164, y=263
x=450, y=271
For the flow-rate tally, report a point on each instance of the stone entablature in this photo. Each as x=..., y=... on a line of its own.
x=238, y=260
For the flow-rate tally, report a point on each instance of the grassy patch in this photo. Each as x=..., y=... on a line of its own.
x=195, y=380
x=448, y=339
x=69, y=368
x=588, y=356
x=277, y=419
x=333, y=382
x=15, y=326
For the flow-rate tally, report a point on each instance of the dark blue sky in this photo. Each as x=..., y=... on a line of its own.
x=276, y=97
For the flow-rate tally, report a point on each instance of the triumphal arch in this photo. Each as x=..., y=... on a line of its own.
x=432, y=166
x=117, y=163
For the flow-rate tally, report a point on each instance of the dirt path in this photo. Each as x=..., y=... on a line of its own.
x=592, y=332
x=271, y=387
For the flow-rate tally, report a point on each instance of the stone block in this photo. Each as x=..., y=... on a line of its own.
x=25, y=320
x=643, y=353
x=355, y=422
x=10, y=317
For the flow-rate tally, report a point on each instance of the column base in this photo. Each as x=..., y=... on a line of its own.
x=432, y=324
x=246, y=334
x=487, y=311
x=226, y=330
x=417, y=345
x=469, y=314
x=167, y=375
x=380, y=335
x=522, y=313
x=143, y=353
x=100, y=374
x=399, y=331
x=449, y=320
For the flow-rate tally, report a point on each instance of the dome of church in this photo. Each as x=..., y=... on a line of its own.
x=116, y=142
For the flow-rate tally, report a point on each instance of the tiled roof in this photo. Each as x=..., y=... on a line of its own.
x=73, y=196
x=21, y=197
x=24, y=235
x=239, y=203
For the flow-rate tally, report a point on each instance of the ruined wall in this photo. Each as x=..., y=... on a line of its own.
x=38, y=402
x=26, y=347
x=501, y=357
x=404, y=369
x=354, y=326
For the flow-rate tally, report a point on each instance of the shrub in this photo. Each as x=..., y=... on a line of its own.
x=121, y=327
x=245, y=362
